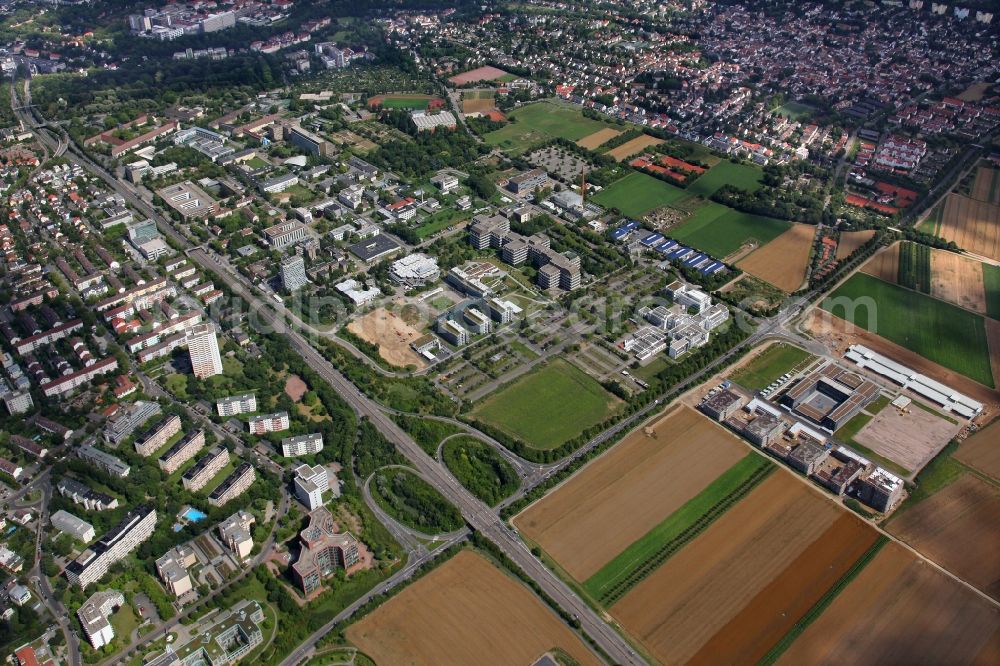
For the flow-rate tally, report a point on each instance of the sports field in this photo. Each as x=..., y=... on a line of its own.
x=540, y=122
x=770, y=364
x=938, y=331
x=549, y=406
x=619, y=498
x=636, y=194
x=465, y=612
x=742, y=176
x=721, y=231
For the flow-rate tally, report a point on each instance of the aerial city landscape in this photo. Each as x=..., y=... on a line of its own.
x=525, y=332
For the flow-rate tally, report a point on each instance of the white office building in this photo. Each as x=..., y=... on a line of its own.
x=94, y=614
x=293, y=273
x=310, y=484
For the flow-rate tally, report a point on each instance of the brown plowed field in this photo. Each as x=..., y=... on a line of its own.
x=775, y=610
x=910, y=439
x=838, y=335
x=464, y=612
x=901, y=610
x=987, y=185
x=678, y=609
x=783, y=261
x=982, y=451
x=957, y=279
x=973, y=225
x=634, y=146
x=851, y=241
x=628, y=491
x=885, y=264
x=598, y=138
x=959, y=528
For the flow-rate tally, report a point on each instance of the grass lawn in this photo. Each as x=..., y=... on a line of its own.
x=549, y=406
x=795, y=110
x=256, y=163
x=636, y=194
x=720, y=230
x=222, y=475
x=540, y=122
x=991, y=284
x=437, y=223
x=124, y=622
x=743, y=176
x=176, y=384
x=775, y=361
x=720, y=494
x=442, y=303
x=938, y=331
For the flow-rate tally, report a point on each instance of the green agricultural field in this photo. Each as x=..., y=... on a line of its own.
x=773, y=362
x=647, y=554
x=743, y=176
x=549, y=406
x=938, y=331
x=991, y=283
x=720, y=230
x=636, y=194
x=542, y=121
x=914, y=270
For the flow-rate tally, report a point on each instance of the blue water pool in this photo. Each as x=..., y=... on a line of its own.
x=194, y=515
x=178, y=527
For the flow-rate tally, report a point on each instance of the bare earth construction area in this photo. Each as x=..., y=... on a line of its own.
x=392, y=335
x=626, y=492
x=465, y=612
x=910, y=439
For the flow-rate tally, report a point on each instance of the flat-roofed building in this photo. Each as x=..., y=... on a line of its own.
x=127, y=419
x=880, y=490
x=94, y=614
x=205, y=469
x=182, y=451
x=722, y=405
x=265, y=423
x=310, y=483
x=302, y=445
x=158, y=435
x=806, y=457
x=324, y=550
x=235, y=532
x=81, y=494
x=293, y=273
x=234, y=485
x=453, y=332
x=284, y=234
x=69, y=524
x=414, y=270
x=94, y=562
x=477, y=322
x=105, y=461
x=236, y=404
x=173, y=567
x=203, y=348
x=189, y=200
x=763, y=429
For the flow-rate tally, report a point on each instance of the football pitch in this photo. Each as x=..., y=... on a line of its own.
x=938, y=331
x=720, y=230
x=637, y=193
x=548, y=407
x=540, y=122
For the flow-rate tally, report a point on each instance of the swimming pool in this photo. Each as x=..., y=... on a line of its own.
x=194, y=515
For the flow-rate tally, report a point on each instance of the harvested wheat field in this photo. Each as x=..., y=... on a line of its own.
x=392, y=335
x=851, y=241
x=629, y=490
x=973, y=225
x=598, y=138
x=464, y=612
x=959, y=528
x=783, y=261
x=706, y=587
x=630, y=148
x=909, y=439
x=987, y=185
x=958, y=279
x=838, y=335
x=982, y=451
x=885, y=264
x=901, y=610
